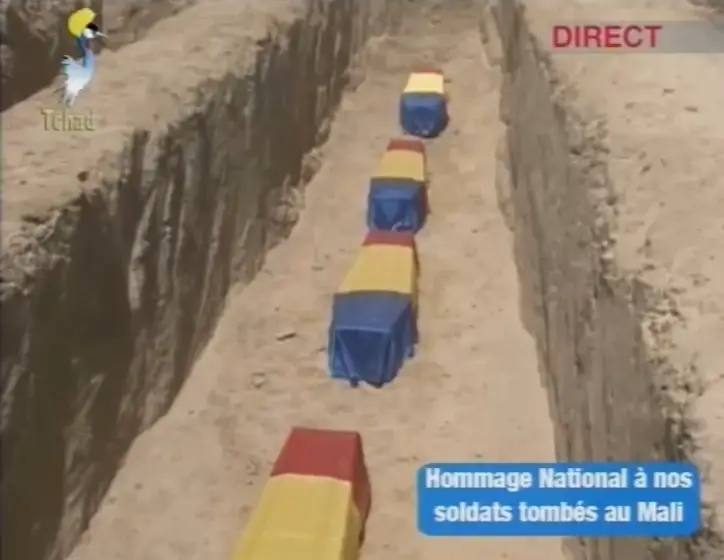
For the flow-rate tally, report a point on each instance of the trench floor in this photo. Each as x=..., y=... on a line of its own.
x=471, y=393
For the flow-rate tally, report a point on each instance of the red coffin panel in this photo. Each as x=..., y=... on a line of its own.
x=328, y=453
x=407, y=144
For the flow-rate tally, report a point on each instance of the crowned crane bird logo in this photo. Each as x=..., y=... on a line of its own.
x=78, y=73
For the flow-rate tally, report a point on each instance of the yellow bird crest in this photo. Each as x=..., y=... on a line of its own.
x=78, y=21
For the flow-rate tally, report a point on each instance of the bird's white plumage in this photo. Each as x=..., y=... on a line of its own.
x=76, y=78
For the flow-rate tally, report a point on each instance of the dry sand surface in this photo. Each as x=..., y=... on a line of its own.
x=598, y=221
x=471, y=393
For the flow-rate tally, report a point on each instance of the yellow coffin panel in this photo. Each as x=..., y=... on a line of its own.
x=302, y=518
x=403, y=164
x=426, y=83
x=383, y=268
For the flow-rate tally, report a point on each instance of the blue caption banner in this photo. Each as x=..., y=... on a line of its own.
x=559, y=499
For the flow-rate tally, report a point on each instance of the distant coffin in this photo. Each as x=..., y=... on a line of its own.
x=396, y=205
x=425, y=82
x=382, y=268
x=402, y=164
x=423, y=104
x=396, y=238
x=409, y=144
x=373, y=328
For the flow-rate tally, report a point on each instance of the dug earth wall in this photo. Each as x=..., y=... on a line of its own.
x=609, y=176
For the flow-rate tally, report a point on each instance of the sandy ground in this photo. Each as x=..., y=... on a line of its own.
x=472, y=393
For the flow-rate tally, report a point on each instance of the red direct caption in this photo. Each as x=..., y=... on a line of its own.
x=605, y=36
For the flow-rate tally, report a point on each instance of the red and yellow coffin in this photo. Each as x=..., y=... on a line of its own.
x=316, y=502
